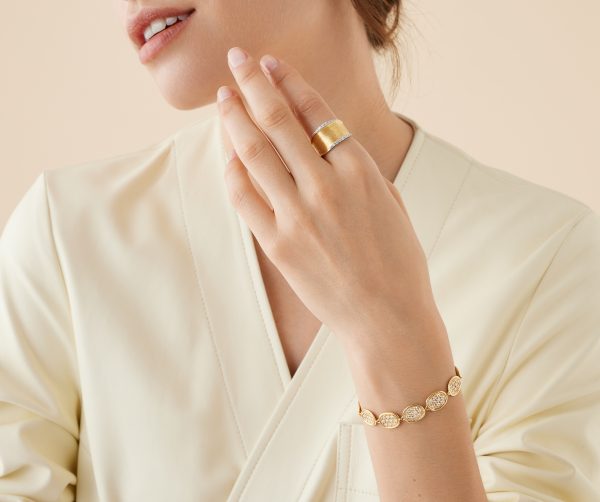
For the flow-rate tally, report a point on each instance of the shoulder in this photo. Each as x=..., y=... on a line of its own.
x=99, y=178
x=77, y=198
x=505, y=207
x=495, y=181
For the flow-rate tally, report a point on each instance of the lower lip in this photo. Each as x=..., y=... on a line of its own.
x=152, y=47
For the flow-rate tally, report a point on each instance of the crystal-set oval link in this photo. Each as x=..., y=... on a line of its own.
x=454, y=385
x=415, y=412
x=436, y=400
x=368, y=417
x=389, y=419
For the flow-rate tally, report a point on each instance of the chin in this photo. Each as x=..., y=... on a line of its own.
x=183, y=87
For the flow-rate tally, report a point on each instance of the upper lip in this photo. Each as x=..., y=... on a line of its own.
x=139, y=22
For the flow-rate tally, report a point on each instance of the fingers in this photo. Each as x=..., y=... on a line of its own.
x=273, y=115
x=308, y=106
x=248, y=203
x=254, y=150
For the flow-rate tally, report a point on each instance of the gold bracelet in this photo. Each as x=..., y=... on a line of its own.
x=415, y=412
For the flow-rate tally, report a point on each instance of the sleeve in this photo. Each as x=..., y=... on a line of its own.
x=540, y=440
x=39, y=393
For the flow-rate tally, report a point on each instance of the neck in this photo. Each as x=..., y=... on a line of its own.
x=350, y=85
x=337, y=61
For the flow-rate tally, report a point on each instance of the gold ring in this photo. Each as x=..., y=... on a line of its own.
x=329, y=134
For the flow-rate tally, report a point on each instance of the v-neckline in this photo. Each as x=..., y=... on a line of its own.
x=282, y=424
x=258, y=282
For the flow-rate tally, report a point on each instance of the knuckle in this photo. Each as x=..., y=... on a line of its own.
x=273, y=115
x=252, y=150
x=365, y=185
x=227, y=105
x=297, y=228
x=357, y=170
x=232, y=181
x=237, y=196
x=248, y=74
x=281, y=76
x=308, y=103
x=320, y=192
x=277, y=250
x=285, y=72
x=296, y=220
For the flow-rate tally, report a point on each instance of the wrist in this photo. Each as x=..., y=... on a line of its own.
x=400, y=368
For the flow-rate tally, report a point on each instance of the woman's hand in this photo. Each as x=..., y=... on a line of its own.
x=335, y=228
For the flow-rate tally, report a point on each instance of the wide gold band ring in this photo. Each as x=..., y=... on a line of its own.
x=329, y=134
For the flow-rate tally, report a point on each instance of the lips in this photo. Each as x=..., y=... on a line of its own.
x=138, y=23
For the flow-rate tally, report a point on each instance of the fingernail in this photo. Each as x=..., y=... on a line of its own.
x=223, y=93
x=269, y=63
x=236, y=56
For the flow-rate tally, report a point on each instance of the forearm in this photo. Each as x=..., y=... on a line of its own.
x=429, y=460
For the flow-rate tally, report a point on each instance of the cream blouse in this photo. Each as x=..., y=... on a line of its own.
x=140, y=361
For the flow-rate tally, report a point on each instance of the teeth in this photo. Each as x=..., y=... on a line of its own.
x=148, y=33
x=159, y=25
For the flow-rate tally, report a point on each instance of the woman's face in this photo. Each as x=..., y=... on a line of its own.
x=190, y=68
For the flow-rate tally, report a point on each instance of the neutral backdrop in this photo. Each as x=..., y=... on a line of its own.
x=515, y=84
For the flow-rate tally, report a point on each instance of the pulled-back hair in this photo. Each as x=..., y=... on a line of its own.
x=381, y=32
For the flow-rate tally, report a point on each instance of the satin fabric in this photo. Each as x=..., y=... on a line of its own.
x=139, y=358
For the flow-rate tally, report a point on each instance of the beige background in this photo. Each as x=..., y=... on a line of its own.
x=516, y=84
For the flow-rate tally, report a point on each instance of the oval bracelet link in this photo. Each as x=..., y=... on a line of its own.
x=414, y=412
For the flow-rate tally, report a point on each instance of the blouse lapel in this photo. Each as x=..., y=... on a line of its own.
x=250, y=373
x=284, y=422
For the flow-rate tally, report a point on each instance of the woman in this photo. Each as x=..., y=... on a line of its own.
x=260, y=309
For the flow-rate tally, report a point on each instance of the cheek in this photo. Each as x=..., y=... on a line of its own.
x=251, y=23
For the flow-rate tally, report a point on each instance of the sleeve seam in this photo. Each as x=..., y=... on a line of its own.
x=62, y=275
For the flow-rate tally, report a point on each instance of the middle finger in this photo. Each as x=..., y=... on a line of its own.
x=274, y=116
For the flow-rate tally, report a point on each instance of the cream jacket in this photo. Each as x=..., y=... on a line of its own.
x=139, y=358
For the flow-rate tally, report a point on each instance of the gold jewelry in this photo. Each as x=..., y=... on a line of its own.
x=415, y=412
x=329, y=134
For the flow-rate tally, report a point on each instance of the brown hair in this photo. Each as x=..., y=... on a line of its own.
x=381, y=33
